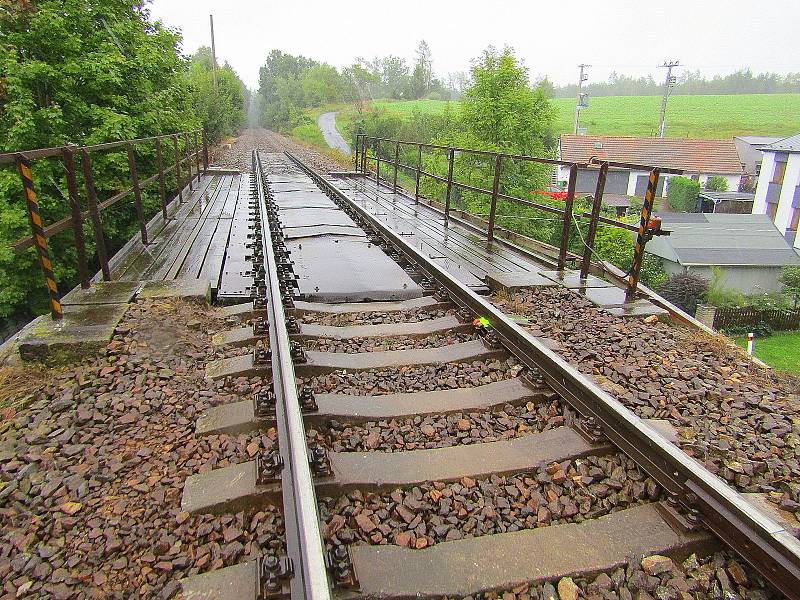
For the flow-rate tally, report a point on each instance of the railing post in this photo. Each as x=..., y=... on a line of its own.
x=495, y=190
x=597, y=204
x=364, y=152
x=196, y=155
x=205, y=150
x=356, y=164
x=178, y=181
x=643, y=235
x=94, y=213
x=396, y=164
x=162, y=186
x=451, y=156
x=567, y=224
x=419, y=168
x=39, y=239
x=137, y=193
x=377, y=165
x=190, y=177
x=68, y=159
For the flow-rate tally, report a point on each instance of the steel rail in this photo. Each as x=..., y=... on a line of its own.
x=303, y=535
x=758, y=539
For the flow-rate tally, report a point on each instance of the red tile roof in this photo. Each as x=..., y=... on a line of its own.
x=692, y=156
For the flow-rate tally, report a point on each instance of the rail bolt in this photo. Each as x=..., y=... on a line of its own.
x=297, y=352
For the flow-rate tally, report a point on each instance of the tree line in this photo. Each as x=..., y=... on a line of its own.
x=743, y=81
x=87, y=72
x=288, y=84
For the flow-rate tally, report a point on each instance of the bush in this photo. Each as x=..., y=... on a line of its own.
x=762, y=330
x=682, y=194
x=685, y=291
x=717, y=183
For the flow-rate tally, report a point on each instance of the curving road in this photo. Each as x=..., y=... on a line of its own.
x=334, y=139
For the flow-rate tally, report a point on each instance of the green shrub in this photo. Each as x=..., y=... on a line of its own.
x=685, y=291
x=682, y=194
x=717, y=183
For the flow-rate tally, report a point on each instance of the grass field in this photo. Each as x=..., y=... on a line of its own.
x=687, y=116
x=780, y=350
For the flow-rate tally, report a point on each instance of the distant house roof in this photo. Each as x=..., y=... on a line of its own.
x=758, y=140
x=693, y=156
x=722, y=239
x=789, y=144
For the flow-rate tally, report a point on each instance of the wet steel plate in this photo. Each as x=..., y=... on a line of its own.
x=346, y=269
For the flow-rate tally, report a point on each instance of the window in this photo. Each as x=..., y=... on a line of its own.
x=779, y=172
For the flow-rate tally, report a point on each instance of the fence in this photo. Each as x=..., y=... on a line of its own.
x=779, y=320
x=67, y=155
x=646, y=229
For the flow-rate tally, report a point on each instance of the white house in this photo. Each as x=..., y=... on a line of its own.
x=698, y=159
x=778, y=191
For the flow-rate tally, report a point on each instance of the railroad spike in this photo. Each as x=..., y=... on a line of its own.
x=308, y=404
x=260, y=326
x=268, y=468
x=264, y=402
x=318, y=459
x=297, y=352
x=340, y=564
x=262, y=355
x=292, y=325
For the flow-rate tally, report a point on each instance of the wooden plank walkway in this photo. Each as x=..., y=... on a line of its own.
x=455, y=248
x=194, y=241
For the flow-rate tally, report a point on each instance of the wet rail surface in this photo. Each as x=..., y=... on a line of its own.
x=425, y=454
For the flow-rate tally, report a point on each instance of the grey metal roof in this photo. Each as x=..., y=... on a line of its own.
x=789, y=144
x=736, y=196
x=722, y=239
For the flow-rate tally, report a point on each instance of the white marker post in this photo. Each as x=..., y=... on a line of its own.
x=751, y=344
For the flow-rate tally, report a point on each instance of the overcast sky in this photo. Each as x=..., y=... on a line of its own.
x=552, y=36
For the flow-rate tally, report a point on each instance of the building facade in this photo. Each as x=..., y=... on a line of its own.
x=699, y=159
x=778, y=191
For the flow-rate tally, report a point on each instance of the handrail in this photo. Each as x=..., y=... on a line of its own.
x=645, y=230
x=67, y=153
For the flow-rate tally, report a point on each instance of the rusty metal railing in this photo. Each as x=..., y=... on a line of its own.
x=67, y=154
x=645, y=230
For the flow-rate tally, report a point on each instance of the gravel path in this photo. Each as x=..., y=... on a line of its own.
x=92, y=469
x=741, y=420
x=239, y=155
x=568, y=492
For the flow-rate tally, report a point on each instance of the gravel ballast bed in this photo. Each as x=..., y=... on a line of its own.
x=376, y=344
x=418, y=379
x=93, y=470
x=655, y=577
x=741, y=420
x=572, y=491
x=442, y=431
x=375, y=318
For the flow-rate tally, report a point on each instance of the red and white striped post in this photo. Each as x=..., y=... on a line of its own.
x=751, y=344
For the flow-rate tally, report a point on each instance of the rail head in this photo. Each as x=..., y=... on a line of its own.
x=766, y=545
x=303, y=535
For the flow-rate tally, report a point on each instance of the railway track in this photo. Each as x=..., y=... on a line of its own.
x=430, y=447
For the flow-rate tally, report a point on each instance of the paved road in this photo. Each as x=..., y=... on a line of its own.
x=327, y=125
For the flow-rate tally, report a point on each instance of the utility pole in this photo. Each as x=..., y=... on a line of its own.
x=669, y=82
x=581, y=103
x=213, y=54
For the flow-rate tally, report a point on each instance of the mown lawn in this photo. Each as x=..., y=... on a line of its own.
x=687, y=116
x=780, y=350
